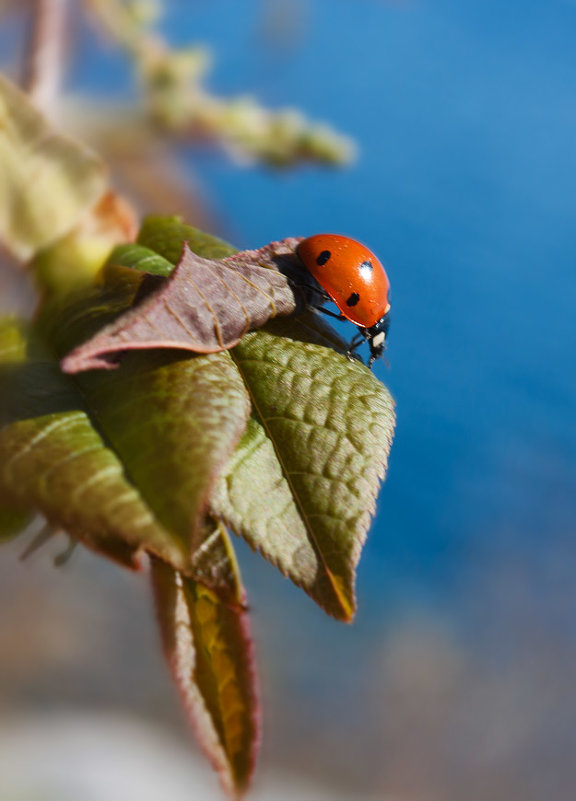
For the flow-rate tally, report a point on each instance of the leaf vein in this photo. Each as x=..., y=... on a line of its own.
x=47, y=431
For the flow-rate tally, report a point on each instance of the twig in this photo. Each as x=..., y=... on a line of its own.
x=44, y=53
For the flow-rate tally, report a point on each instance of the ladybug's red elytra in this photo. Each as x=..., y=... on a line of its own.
x=351, y=276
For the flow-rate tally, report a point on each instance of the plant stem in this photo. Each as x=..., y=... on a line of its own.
x=44, y=52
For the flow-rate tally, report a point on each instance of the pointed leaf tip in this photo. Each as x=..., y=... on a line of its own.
x=209, y=650
x=173, y=422
x=316, y=450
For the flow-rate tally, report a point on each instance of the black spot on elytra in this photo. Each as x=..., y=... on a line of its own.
x=353, y=299
x=323, y=258
x=366, y=265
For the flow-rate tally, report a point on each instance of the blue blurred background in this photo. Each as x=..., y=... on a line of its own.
x=456, y=679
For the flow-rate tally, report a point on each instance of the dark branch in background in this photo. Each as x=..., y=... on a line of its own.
x=44, y=52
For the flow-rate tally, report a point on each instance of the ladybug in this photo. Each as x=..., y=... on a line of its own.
x=350, y=275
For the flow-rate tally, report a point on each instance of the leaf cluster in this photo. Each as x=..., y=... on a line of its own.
x=279, y=439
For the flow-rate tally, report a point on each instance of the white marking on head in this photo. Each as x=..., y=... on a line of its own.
x=378, y=339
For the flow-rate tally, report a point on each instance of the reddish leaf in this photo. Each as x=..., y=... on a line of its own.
x=205, y=306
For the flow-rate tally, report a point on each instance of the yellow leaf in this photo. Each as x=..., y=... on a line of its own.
x=208, y=647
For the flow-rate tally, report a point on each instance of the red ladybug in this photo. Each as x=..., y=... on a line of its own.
x=356, y=281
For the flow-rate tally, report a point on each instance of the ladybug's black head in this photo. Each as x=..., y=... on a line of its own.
x=377, y=336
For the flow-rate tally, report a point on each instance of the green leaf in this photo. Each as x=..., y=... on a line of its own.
x=316, y=451
x=166, y=236
x=174, y=421
x=208, y=647
x=47, y=180
x=53, y=460
x=138, y=257
x=165, y=413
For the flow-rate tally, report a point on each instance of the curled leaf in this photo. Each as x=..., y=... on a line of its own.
x=173, y=419
x=205, y=305
x=53, y=460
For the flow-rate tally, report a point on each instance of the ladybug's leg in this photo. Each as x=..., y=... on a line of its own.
x=329, y=313
x=323, y=297
x=358, y=340
x=310, y=288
